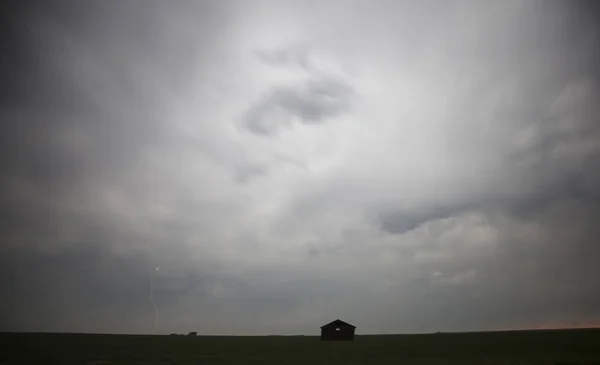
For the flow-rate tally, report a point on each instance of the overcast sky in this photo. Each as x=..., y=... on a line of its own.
x=405, y=166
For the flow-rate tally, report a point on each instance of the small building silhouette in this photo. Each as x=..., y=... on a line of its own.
x=337, y=331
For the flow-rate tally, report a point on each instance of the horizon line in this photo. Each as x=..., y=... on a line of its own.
x=305, y=335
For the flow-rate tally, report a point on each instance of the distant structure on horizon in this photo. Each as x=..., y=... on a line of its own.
x=337, y=330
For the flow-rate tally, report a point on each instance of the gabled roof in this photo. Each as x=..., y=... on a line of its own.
x=339, y=323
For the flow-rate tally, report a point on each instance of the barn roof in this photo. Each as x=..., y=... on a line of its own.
x=339, y=323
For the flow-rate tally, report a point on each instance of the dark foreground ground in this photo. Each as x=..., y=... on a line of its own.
x=524, y=347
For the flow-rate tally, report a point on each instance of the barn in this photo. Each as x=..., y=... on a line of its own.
x=337, y=331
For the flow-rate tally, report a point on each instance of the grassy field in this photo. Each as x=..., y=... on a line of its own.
x=522, y=347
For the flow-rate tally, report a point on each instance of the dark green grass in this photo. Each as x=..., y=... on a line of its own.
x=522, y=347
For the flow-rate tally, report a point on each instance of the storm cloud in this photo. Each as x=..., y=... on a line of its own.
x=403, y=166
x=313, y=103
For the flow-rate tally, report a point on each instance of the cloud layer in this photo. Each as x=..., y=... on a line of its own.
x=406, y=167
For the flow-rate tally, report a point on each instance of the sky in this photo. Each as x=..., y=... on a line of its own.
x=405, y=166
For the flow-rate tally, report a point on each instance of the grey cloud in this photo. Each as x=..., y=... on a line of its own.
x=531, y=277
x=245, y=174
x=461, y=194
x=399, y=221
x=75, y=122
x=45, y=289
x=95, y=285
x=312, y=103
x=524, y=282
x=63, y=126
x=527, y=273
x=294, y=55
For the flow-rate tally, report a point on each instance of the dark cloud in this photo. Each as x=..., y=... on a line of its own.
x=47, y=289
x=398, y=221
x=540, y=267
x=90, y=283
x=313, y=103
x=74, y=121
x=459, y=192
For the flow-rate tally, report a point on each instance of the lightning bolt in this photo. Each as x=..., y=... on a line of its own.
x=152, y=300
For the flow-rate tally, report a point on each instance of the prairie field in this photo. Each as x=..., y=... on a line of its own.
x=557, y=347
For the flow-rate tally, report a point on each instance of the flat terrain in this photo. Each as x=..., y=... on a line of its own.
x=523, y=347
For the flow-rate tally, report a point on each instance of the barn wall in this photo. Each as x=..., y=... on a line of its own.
x=344, y=334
